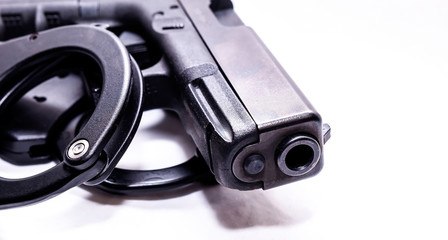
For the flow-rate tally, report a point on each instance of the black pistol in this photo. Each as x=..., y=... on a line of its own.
x=251, y=124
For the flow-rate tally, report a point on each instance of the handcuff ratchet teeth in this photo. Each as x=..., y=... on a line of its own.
x=92, y=154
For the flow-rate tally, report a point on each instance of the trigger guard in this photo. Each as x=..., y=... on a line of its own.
x=145, y=182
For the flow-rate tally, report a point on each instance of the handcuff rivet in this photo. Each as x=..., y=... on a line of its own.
x=78, y=149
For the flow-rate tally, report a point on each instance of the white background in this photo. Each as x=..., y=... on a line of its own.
x=376, y=71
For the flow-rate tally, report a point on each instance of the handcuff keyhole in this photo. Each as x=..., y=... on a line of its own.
x=33, y=36
x=40, y=99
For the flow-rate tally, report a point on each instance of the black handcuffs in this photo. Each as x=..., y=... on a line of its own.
x=91, y=156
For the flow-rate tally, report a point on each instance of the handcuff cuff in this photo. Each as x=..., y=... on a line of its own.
x=91, y=155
